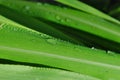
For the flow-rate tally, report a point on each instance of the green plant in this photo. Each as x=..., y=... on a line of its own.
x=90, y=24
x=16, y=72
x=62, y=38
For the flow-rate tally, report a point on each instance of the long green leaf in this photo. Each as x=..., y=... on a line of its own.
x=18, y=72
x=72, y=18
x=25, y=45
x=86, y=8
x=35, y=24
x=89, y=40
x=115, y=11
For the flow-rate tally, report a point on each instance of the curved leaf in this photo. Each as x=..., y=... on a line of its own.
x=35, y=24
x=18, y=72
x=72, y=18
x=86, y=8
x=25, y=45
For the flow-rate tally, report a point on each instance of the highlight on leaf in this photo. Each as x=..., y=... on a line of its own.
x=61, y=39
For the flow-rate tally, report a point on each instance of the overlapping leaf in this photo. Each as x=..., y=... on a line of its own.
x=19, y=43
x=18, y=72
x=72, y=18
x=86, y=8
x=25, y=45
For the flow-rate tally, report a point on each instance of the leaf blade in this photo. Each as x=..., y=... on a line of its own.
x=16, y=72
x=51, y=52
x=84, y=7
x=72, y=18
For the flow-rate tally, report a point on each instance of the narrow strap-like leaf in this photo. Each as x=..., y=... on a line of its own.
x=25, y=45
x=86, y=8
x=35, y=24
x=115, y=11
x=72, y=18
x=20, y=72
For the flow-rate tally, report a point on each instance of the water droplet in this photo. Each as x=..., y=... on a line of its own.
x=62, y=20
x=93, y=48
x=52, y=41
x=39, y=4
x=44, y=36
x=27, y=7
x=15, y=29
x=58, y=17
x=67, y=20
x=110, y=52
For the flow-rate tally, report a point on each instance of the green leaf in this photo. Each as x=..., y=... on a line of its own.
x=116, y=11
x=19, y=72
x=35, y=24
x=97, y=4
x=26, y=45
x=72, y=18
x=86, y=8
